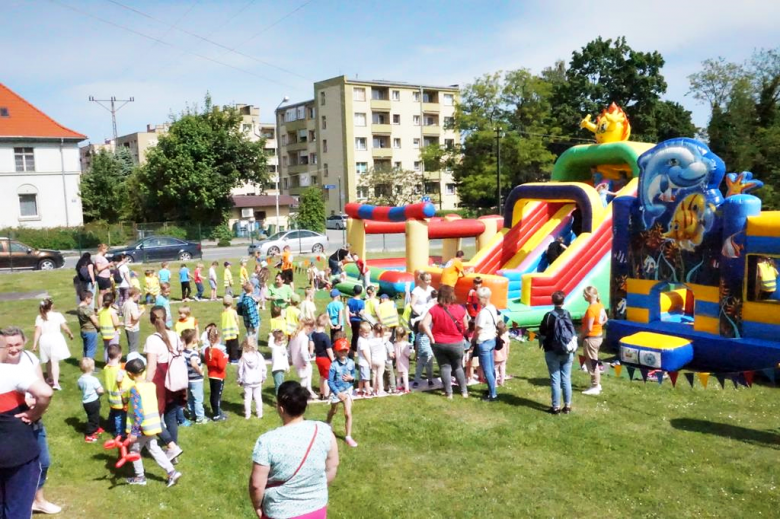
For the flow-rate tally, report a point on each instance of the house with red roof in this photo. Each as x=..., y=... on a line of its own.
x=39, y=167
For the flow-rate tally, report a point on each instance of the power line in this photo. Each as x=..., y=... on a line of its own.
x=138, y=33
x=274, y=24
x=209, y=40
x=112, y=108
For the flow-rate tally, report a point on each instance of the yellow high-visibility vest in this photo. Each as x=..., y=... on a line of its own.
x=388, y=313
x=229, y=325
x=150, y=423
x=112, y=387
x=292, y=315
x=767, y=274
x=107, y=330
x=187, y=324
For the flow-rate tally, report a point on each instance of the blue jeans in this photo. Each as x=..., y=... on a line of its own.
x=199, y=288
x=17, y=489
x=424, y=358
x=90, y=340
x=195, y=399
x=117, y=420
x=44, y=458
x=485, y=354
x=559, y=367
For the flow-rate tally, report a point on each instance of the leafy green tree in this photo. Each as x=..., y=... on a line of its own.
x=391, y=186
x=311, y=210
x=190, y=173
x=103, y=189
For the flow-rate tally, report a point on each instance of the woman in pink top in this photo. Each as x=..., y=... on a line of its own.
x=103, y=273
x=445, y=325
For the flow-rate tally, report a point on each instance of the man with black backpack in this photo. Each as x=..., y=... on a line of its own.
x=559, y=339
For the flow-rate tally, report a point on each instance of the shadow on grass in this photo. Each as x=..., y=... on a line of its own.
x=539, y=382
x=508, y=398
x=77, y=424
x=724, y=430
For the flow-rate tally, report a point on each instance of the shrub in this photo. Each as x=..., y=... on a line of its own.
x=222, y=234
x=175, y=232
x=463, y=212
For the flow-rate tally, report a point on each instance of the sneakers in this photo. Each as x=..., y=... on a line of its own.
x=186, y=423
x=45, y=507
x=99, y=431
x=415, y=384
x=90, y=438
x=56, y=387
x=174, y=452
x=593, y=391
x=138, y=480
x=220, y=418
x=566, y=409
x=350, y=441
x=201, y=421
x=173, y=477
x=490, y=398
x=430, y=383
x=554, y=410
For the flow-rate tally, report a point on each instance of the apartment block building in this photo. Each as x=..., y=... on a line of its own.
x=352, y=126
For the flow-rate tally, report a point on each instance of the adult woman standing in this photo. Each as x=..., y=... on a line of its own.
x=592, y=326
x=49, y=326
x=28, y=363
x=279, y=293
x=160, y=347
x=421, y=296
x=85, y=276
x=294, y=464
x=445, y=325
x=558, y=362
x=103, y=273
x=485, y=333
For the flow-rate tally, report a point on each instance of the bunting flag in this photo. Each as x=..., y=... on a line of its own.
x=660, y=376
x=673, y=377
x=618, y=370
x=531, y=336
x=689, y=378
x=721, y=378
x=770, y=374
x=631, y=371
x=643, y=371
x=582, y=360
x=735, y=379
x=704, y=378
x=749, y=378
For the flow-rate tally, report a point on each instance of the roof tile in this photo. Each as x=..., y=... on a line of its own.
x=25, y=120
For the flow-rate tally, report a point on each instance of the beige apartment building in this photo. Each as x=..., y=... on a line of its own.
x=352, y=126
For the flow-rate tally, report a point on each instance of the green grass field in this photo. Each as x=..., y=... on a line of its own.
x=638, y=450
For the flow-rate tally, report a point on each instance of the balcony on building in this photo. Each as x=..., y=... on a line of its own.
x=380, y=98
x=294, y=126
x=380, y=122
x=430, y=101
x=383, y=166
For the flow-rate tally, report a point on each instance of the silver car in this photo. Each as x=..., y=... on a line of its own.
x=300, y=241
x=336, y=221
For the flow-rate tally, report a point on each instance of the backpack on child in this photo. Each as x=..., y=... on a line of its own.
x=177, y=376
x=564, y=336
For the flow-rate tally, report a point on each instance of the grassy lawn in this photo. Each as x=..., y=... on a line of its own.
x=638, y=450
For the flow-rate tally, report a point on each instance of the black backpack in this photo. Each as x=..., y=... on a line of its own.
x=117, y=276
x=563, y=332
x=240, y=306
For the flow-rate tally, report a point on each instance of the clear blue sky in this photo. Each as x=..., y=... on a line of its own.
x=57, y=57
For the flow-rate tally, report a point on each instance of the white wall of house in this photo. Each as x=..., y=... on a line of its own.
x=52, y=183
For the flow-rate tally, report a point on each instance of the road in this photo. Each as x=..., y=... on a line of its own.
x=374, y=243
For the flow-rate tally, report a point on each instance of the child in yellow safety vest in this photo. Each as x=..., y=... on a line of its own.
x=186, y=321
x=143, y=424
x=278, y=322
x=292, y=314
x=152, y=286
x=767, y=278
x=117, y=385
x=109, y=324
x=388, y=315
x=230, y=329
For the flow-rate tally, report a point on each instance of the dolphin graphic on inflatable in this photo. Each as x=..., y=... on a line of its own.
x=673, y=165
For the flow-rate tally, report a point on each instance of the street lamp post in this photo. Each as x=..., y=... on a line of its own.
x=252, y=229
x=278, y=157
x=499, y=134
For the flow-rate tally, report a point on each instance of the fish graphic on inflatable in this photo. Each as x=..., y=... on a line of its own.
x=674, y=165
x=611, y=125
x=689, y=222
x=732, y=249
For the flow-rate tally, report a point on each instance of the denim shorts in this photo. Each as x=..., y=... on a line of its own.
x=365, y=372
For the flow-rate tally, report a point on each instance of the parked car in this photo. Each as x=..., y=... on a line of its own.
x=159, y=248
x=300, y=241
x=16, y=255
x=336, y=221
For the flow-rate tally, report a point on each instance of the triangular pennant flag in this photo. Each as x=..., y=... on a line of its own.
x=643, y=371
x=704, y=378
x=673, y=378
x=721, y=380
x=618, y=370
x=749, y=378
x=770, y=374
x=531, y=336
x=689, y=378
x=734, y=377
x=631, y=371
x=582, y=359
x=659, y=374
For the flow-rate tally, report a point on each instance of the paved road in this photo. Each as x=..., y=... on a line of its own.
x=374, y=243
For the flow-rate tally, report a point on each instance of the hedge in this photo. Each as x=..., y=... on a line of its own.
x=88, y=236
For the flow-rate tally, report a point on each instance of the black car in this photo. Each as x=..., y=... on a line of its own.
x=17, y=255
x=159, y=248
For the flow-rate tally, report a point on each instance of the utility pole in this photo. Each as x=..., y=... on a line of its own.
x=112, y=108
x=499, y=134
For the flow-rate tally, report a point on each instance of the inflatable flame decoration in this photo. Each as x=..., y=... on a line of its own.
x=611, y=125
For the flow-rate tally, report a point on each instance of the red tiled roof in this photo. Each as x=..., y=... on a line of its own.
x=261, y=200
x=24, y=120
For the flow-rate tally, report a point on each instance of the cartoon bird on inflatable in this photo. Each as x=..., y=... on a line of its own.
x=611, y=125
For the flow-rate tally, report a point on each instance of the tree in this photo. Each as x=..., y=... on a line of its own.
x=606, y=71
x=103, y=189
x=189, y=175
x=311, y=210
x=396, y=186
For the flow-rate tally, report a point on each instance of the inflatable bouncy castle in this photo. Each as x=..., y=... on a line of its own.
x=693, y=275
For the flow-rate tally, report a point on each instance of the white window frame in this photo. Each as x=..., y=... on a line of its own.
x=448, y=99
x=357, y=119
x=416, y=120
x=449, y=189
x=416, y=143
x=361, y=141
x=23, y=216
x=396, y=143
x=324, y=124
x=418, y=165
x=361, y=168
x=25, y=155
x=396, y=117
x=358, y=94
x=416, y=96
x=395, y=95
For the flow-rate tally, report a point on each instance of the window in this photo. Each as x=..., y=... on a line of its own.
x=289, y=115
x=416, y=143
x=417, y=165
x=324, y=124
x=378, y=95
x=303, y=136
x=397, y=165
x=4, y=112
x=360, y=119
x=312, y=113
x=449, y=189
x=300, y=113
x=397, y=143
x=448, y=100
x=431, y=188
x=430, y=121
x=358, y=94
x=362, y=192
x=416, y=120
x=325, y=170
x=416, y=97
x=284, y=183
x=361, y=167
x=449, y=143
x=28, y=206
x=430, y=141
x=448, y=122
x=429, y=98
x=312, y=136
x=25, y=159
x=380, y=142
x=324, y=145
x=396, y=95
x=312, y=158
x=396, y=118
x=378, y=118
x=272, y=168
x=246, y=127
x=360, y=143
x=322, y=98
x=284, y=140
